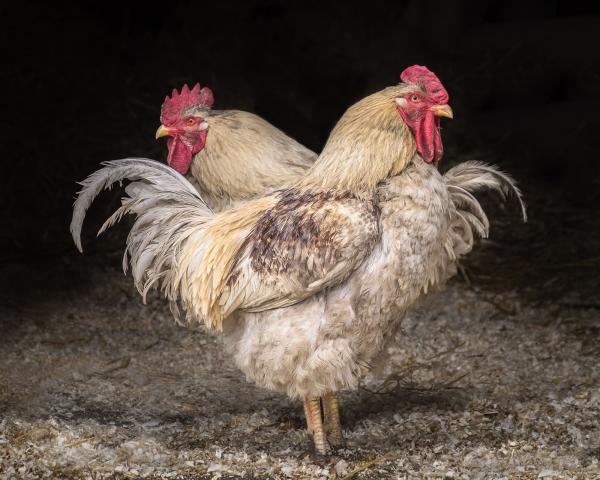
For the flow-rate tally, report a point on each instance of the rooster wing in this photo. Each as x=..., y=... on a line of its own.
x=308, y=241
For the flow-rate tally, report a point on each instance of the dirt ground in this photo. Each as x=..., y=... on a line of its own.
x=481, y=384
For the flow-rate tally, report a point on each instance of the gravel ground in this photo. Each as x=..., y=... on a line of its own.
x=479, y=385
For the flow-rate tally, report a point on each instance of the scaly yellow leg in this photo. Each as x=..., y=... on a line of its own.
x=333, y=427
x=312, y=407
x=309, y=426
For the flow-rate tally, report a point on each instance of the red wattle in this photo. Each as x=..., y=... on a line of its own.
x=428, y=138
x=439, y=147
x=182, y=149
x=180, y=155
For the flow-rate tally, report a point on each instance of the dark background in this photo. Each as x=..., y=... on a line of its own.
x=83, y=83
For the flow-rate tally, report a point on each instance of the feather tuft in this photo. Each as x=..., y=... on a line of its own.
x=463, y=181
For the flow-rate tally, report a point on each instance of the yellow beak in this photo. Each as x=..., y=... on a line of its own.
x=442, y=111
x=163, y=131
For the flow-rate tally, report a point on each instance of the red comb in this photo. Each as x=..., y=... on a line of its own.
x=422, y=75
x=174, y=105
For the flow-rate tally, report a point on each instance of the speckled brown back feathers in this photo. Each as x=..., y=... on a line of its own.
x=292, y=224
x=304, y=242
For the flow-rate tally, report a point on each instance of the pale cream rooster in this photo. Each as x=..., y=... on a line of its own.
x=232, y=155
x=308, y=284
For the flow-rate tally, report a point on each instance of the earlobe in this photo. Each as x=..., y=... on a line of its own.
x=401, y=102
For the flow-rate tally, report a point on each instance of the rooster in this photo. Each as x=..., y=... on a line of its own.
x=233, y=155
x=309, y=283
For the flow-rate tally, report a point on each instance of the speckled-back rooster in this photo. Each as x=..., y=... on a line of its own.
x=307, y=284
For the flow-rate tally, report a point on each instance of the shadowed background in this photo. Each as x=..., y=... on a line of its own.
x=84, y=82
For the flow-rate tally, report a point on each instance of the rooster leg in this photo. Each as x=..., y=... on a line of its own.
x=331, y=411
x=309, y=425
x=312, y=407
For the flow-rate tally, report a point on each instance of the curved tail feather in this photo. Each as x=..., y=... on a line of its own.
x=168, y=209
x=463, y=181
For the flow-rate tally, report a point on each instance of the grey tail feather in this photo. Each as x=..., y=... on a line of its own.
x=474, y=176
x=168, y=211
x=469, y=219
x=117, y=171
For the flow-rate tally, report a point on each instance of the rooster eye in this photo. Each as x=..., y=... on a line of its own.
x=191, y=121
x=415, y=98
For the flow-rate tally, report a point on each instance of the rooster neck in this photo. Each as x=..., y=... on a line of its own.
x=214, y=167
x=370, y=143
x=246, y=156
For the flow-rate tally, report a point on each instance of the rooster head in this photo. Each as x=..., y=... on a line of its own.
x=182, y=116
x=421, y=109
